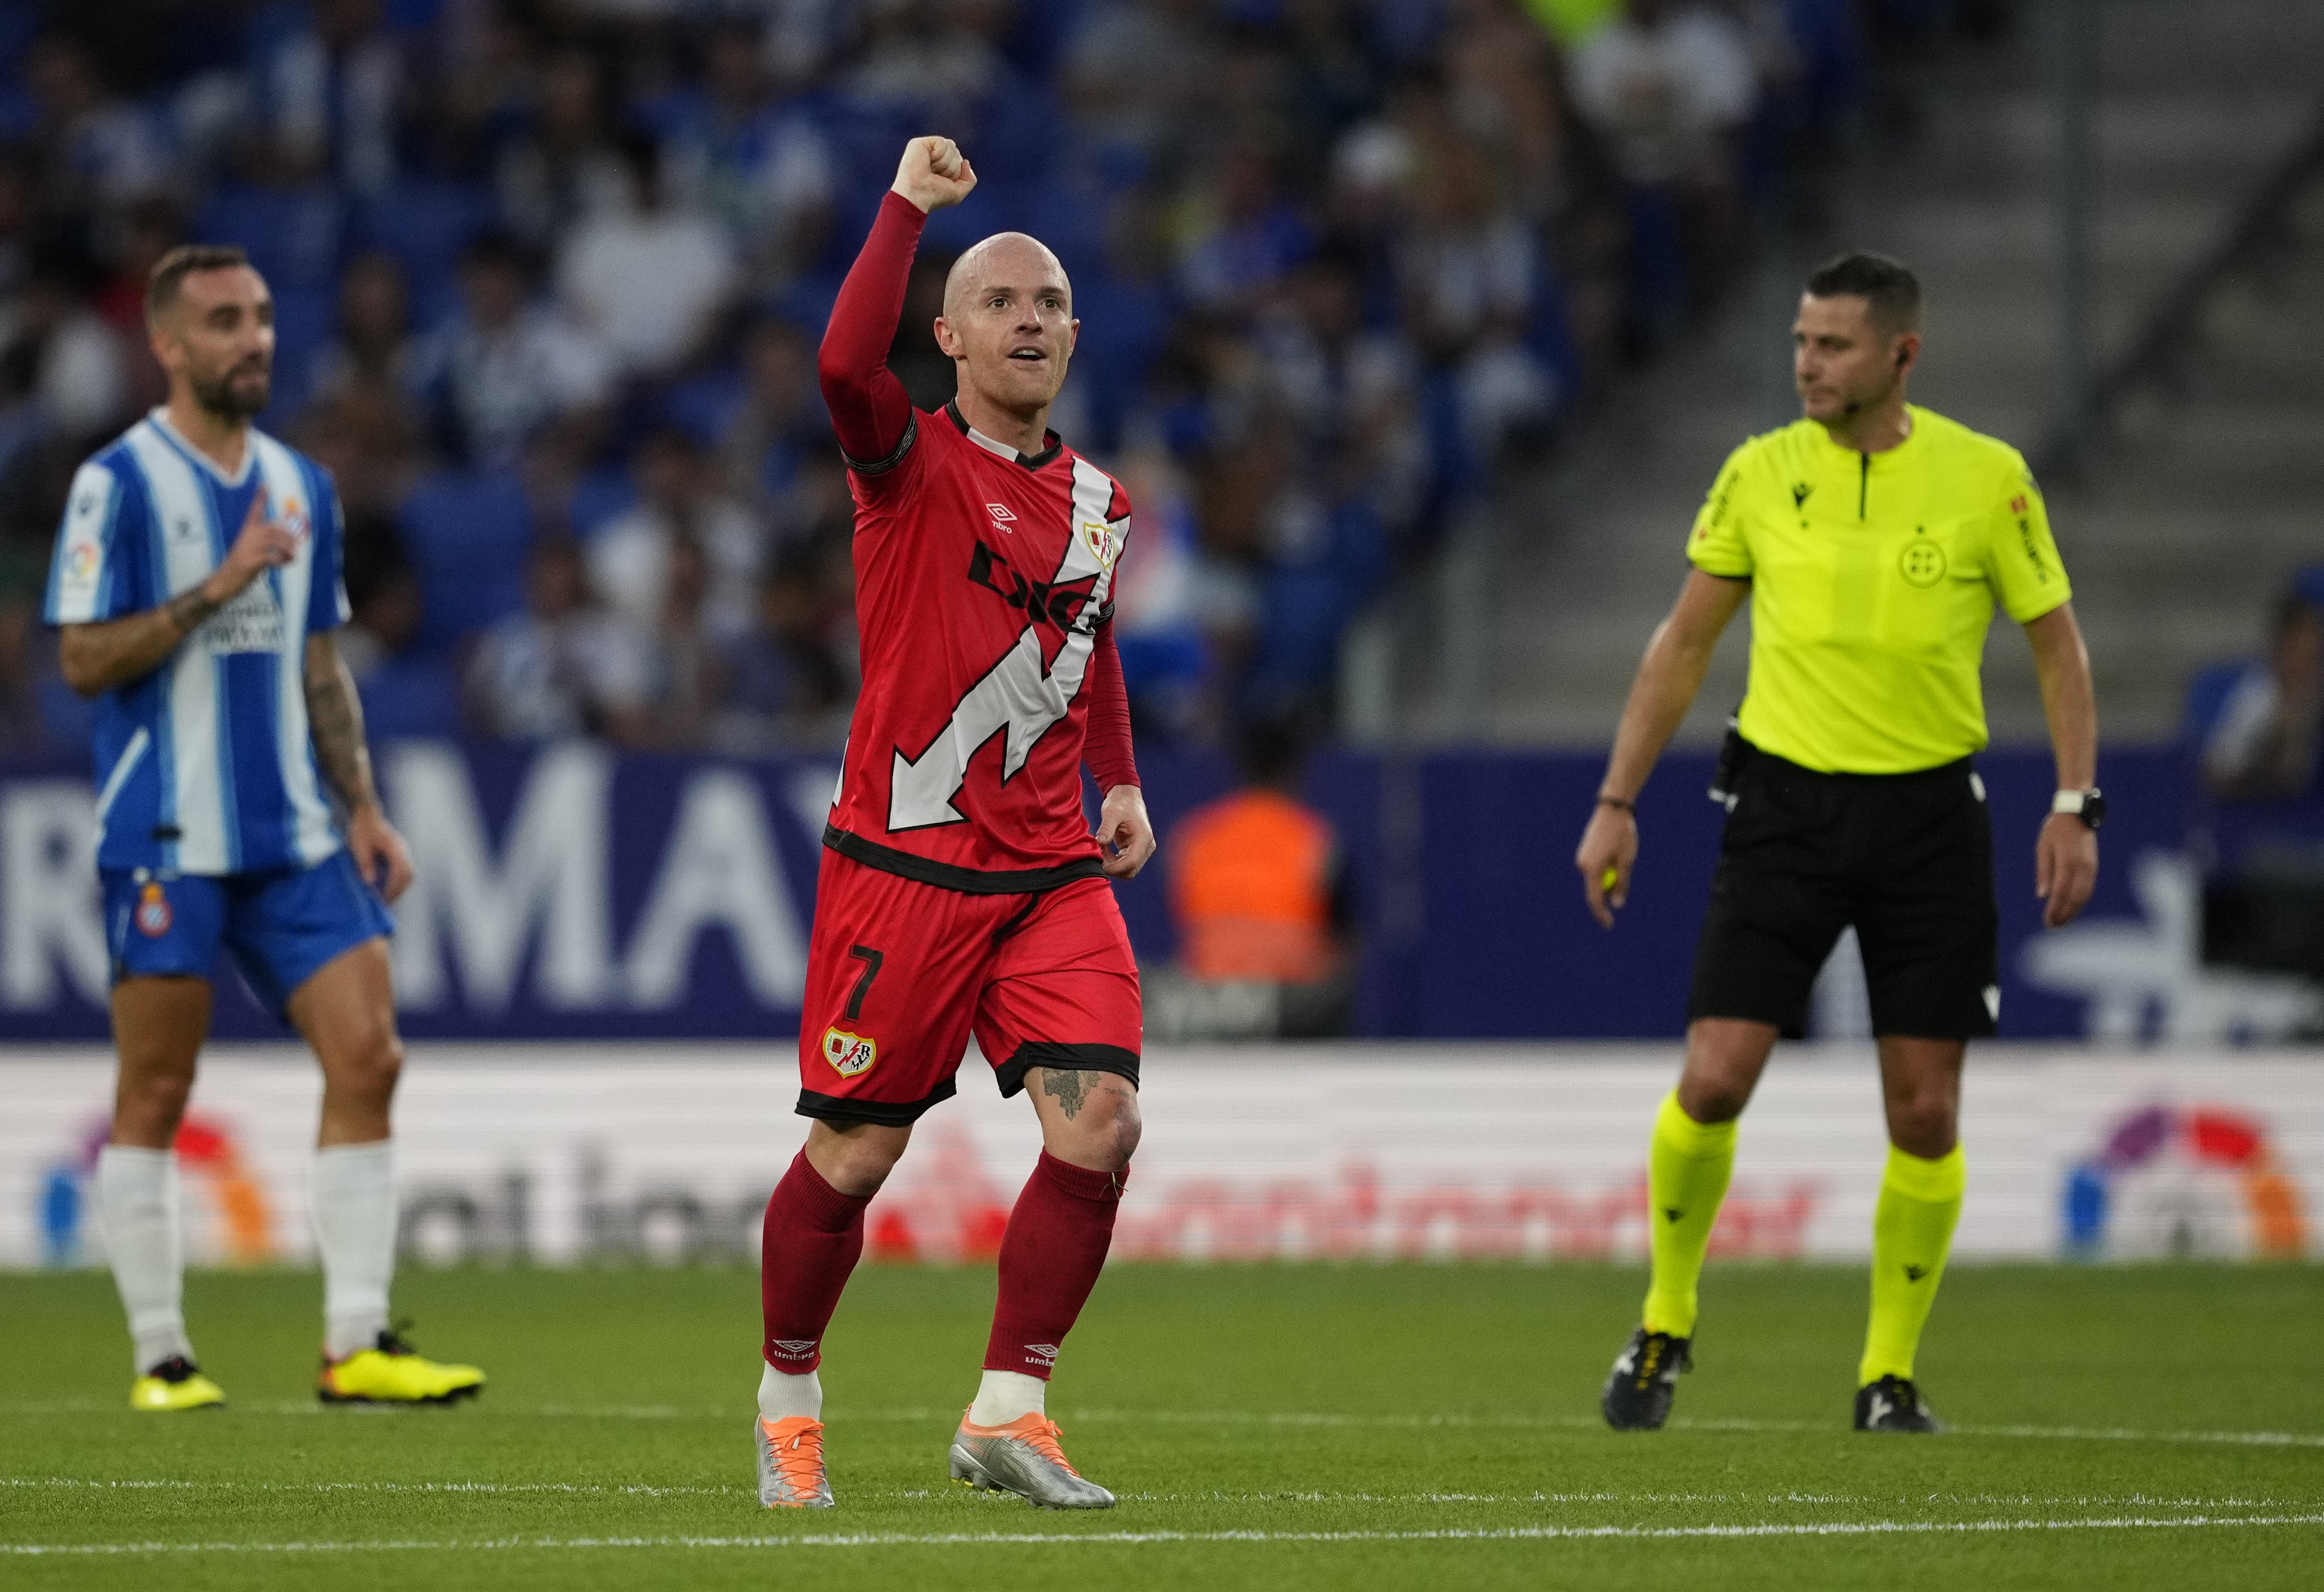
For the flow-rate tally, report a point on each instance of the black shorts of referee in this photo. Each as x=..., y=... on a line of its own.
x=1905, y=858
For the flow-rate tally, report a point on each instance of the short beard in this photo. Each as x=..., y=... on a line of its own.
x=221, y=398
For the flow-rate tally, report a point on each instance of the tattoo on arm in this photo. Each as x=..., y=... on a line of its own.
x=1069, y=1090
x=335, y=718
x=112, y=652
x=189, y=608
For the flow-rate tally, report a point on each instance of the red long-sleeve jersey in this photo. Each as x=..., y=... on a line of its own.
x=983, y=583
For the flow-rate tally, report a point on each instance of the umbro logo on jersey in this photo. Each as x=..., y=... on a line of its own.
x=181, y=528
x=1801, y=492
x=1002, y=517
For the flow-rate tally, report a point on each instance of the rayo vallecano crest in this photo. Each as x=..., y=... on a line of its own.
x=1103, y=540
x=850, y=1054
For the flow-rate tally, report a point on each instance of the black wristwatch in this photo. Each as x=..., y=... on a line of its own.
x=2087, y=806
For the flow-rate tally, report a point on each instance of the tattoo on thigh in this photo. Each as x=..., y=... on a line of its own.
x=1069, y=1090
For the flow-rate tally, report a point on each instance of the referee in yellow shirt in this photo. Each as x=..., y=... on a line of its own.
x=1873, y=541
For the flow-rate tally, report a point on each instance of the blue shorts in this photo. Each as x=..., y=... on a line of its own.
x=282, y=925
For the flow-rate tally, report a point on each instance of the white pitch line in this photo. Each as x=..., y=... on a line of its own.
x=2022, y=1500
x=62, y=1483
x=454, y=1488
x=1268, y=1418
x=1770, y=1529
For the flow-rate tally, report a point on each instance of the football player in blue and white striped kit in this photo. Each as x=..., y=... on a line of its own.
x=197, y=582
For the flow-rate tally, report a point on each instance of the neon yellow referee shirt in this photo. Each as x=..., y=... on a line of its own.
x=1872, y=582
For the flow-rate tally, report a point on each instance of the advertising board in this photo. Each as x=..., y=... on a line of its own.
x=569, y=893
x=563, y=1155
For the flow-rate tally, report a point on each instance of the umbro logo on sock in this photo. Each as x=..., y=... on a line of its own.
x=796, y=1348
x=1913, y=1273
x=1041, y=1354
x=1671, y=1212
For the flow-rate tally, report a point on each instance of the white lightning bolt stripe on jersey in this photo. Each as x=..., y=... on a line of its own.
x=1018, y=694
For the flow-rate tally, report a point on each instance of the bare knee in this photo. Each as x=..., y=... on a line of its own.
x=855, y=1157
x=148, y=1105
x=1119, y=1129
x=1920, y=1082
x=1724, y=1058
x=1925, y=1120
x=1097, y=1125
x=365, y=1072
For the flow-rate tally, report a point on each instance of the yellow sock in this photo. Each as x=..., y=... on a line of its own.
x=1686, y=1178
x=1912, y=1231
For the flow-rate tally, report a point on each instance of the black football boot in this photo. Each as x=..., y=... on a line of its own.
x=1645, y=1378
x=1893, y=1404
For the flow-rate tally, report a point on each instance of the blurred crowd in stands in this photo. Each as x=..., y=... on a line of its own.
x=2255, y=727
x=550, y=275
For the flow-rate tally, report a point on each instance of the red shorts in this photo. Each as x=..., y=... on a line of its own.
x=899, y=973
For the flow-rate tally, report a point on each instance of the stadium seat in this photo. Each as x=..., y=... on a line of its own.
x=598, y=497
x=468, y=532
x=2206, y=697
x=411, y=697
x=293, y=236
x=304, y=319
x=425, y=223
x=1660, y=280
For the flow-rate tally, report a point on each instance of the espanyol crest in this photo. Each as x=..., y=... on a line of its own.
x=850, y=1054
x=154, y=913
x=1103, y=543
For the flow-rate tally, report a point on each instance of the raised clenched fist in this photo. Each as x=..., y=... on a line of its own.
x=934, y=173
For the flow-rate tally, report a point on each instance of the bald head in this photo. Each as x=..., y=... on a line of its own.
x=1004, y=259
x=1008, y=325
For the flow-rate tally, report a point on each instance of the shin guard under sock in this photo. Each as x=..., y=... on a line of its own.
x=1911, y=1233
x=1050, y=1257
x=813, y=1237
x=352, y=1195
x=137, y=1211
x=1687, y=1169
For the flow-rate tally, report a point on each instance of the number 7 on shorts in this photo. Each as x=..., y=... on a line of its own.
x=871, y=960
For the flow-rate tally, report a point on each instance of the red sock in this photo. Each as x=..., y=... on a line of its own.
x=812, y=1239
x=1050, y=1260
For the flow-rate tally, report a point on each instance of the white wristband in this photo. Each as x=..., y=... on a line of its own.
x=2069, y=801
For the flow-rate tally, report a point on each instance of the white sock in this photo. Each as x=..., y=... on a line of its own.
x=137, y=1209
x=783, y=1395
x=1007, y=1396
x=353, y=1191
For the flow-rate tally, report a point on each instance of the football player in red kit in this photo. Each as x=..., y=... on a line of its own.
x=960, y=891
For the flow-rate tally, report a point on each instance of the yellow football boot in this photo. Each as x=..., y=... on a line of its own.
x=174, y=1384
x=389, y=1373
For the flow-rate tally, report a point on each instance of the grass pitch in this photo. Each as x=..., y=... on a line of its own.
x=1277, y=1427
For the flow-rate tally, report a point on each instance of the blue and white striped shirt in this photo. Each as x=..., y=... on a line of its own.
x=204, y=765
